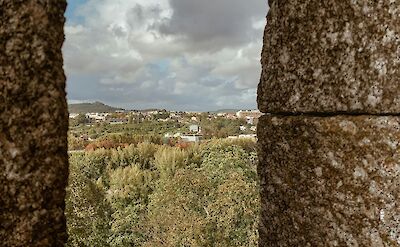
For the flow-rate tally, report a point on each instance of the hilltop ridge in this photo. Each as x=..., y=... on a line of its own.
x=91, y=107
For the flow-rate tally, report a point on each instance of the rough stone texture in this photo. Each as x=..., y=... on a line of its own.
x=330, y=181
x=331, y=56
x=33, y=123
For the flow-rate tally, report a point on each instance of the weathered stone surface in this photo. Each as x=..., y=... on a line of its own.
x=330, y=181
x=331, y=56
x=33, y=123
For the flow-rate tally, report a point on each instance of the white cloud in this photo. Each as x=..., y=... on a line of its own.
x=182, y=54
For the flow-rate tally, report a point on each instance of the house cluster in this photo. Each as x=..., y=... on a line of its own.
x=102, y=117
x=123, y=117
x=185, y=117
x=194, y=134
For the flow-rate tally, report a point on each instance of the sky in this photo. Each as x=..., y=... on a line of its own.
x=197, y=55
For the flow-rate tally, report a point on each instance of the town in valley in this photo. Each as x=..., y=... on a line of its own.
x=97, y=122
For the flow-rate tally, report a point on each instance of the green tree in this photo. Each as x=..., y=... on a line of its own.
x=169, y=159
x=215, y=204
x=177, y=212
x=128, y=196
x=81, y=119
x=233, y=212
x=87, y=211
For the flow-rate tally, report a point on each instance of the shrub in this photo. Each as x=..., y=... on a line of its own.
x=169, y=159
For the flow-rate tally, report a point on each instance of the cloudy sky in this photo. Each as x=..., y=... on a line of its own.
x=199, y=55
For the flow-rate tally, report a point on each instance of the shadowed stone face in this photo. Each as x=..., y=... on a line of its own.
x=330, y=181
x=331, y=56
x=33, y=123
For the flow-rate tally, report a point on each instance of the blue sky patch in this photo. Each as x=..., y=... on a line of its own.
x=71, y=15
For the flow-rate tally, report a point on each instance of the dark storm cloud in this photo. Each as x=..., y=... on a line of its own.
x=214, y=24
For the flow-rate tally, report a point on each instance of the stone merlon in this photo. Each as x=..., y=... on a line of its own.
x=33, y=123
x=331, y=56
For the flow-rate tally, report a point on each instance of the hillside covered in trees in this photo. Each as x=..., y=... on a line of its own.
x=91, y=107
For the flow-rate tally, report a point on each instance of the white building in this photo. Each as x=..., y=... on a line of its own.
x=194, y=128
x=192, y=138
x=250, y=120
x=73, y=115
x=252, y=113
x=97, y=116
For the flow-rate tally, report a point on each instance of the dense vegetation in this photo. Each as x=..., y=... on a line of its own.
x=150, y=130
x=144, y=128
x=119, y=135
x=156, y=195
x=222, y=128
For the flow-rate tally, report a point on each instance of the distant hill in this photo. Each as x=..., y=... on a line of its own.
x=91, y=107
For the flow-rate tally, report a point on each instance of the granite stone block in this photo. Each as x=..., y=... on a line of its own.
x=331, y=56
x=33, y=123
x=329, y=181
